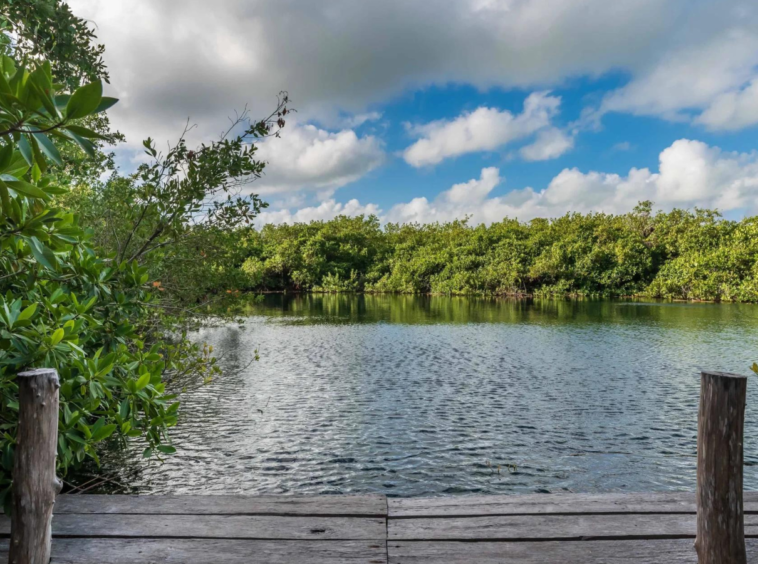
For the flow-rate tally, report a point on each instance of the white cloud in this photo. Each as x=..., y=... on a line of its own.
x=306, y=157
x=693, y=77
x=460, y=200
x=622, y=146
x=324, y=211
x=733, y=110
x=359, y=119
x=484, y=129
x=551, y=143
x=690, y=174
x=171, y=59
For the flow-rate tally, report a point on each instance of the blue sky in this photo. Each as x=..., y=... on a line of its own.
x=431, y=110
x=622, y=142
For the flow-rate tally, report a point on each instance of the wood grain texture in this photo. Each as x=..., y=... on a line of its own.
x=669, y=551
x=721, y=426
x=538, y=504
x=167, y=551
x=34, y=482
x=545, y=527
x=335, y=505
x=216, y=526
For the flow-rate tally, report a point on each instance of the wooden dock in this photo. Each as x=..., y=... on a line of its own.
x=527, y=529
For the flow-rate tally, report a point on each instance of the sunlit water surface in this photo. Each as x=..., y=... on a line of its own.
x=418, y=396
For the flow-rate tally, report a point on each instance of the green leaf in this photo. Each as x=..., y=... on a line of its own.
x=26, y=149
x=24, y=188
x=103, y=432
x=123, y=410
x=42, y=81
x=5, y=87
x=86, y=145
x=143, y=381
x=27, y=313
x=6, y=157
x=85, y=100
x=147, y=453
x=61, y=100
x=57, y=336
x=50, y=150
x=42, y=254
x=166, y=449
x=105, y=103
x=38, y=157
x=18, y=166
x=84, y=132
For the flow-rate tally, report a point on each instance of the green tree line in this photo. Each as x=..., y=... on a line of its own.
x=681, y=254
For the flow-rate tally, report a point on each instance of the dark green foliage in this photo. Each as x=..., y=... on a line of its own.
x=681, y=254
x=103, y=304
x=47, y=30
x=61, y=305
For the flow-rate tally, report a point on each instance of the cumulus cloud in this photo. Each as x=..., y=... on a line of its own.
x=328, y=209
x=307, y=157
x=733, y=110
x=706, y=76
x=691, y=173
x=550, y=144
x=334, y=56
x=457, y=202
x=484, y=129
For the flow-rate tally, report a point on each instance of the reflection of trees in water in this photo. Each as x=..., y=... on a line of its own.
x=415, y=309
x=587, y=394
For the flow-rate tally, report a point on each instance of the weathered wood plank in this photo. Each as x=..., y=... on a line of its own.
x=538, y=504
x=668, y=551
x=182, y=551
x=335, y=505
x=216, y=526
x=546, y=527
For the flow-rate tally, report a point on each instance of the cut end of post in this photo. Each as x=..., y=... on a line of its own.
x=723, y=374
x=50, y=373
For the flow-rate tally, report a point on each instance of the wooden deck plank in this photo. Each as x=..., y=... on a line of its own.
x=556, y=527
x=538, y=504
x=181, y=551
x=215, y=526
x=668, y=551
x=334, y=505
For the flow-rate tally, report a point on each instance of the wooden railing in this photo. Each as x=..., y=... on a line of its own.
x=720, y=521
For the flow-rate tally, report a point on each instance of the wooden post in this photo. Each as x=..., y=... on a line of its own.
x=34, y=482
x=721, y=422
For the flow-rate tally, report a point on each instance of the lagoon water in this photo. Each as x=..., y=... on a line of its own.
x=429, y=396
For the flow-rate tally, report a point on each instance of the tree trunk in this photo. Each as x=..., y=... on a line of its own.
x=34, y=482
x=720, y=519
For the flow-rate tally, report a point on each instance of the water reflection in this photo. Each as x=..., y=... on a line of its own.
x=433, y=396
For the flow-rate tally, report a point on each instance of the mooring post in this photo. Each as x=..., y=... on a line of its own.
x=34, y=482
x=721, y=421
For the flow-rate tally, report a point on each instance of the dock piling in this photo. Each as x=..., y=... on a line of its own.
x=34, y=482
x=720, y=512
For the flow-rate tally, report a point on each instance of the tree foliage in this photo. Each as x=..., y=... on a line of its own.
x=47, y=30
x=61, y=305
x=680, y=254
x=83, y=261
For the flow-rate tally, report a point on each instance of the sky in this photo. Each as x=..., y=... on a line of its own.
x=432, y=110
